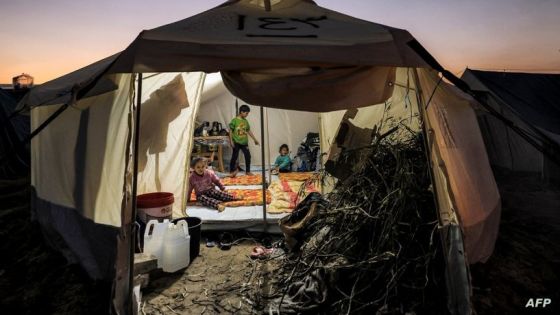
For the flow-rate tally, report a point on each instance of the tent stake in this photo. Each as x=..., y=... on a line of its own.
x=263, y=171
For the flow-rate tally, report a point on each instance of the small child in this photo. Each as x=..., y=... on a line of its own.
x=283, y=163
x=239, y=140
x=204, y=183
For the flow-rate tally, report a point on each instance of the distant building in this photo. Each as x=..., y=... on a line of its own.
x=19, y=87
x=22, y=82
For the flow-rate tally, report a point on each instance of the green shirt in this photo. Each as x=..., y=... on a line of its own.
x=239, y=128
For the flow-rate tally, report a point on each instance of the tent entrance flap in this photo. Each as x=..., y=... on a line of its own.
x=303, y=88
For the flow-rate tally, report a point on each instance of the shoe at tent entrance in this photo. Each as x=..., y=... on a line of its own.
x=162, y=119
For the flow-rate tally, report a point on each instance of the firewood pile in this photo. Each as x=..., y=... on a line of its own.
x=371, y=245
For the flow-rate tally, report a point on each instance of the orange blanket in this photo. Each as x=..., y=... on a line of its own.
x=243, y=180
x=295, y=176
x=285, y=195
x=248, y=197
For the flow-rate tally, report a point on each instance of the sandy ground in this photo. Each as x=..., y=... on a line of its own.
x=526, y=259
x=217, y=282
x=34, y=279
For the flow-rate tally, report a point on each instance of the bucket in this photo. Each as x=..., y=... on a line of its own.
x=155, y=206
x=194, y=224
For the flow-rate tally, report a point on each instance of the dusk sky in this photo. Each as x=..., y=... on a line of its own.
x=49, y=38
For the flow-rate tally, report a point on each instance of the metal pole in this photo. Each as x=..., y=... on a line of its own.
x=132, y=233
x=45, y=123
x=451, y=276
x=263, y=171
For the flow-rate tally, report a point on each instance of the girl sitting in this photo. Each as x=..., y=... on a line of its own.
x=204, y=183
x=283, y=163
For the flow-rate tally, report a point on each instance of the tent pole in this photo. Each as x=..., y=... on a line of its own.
x=268, y=145
x=134, y=189
x=457, y=283
x=263, y=171
x=45, y=123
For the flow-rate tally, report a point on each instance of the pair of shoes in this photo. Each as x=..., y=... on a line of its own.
x=261, y=252
x=226, y=241
x=221, y=207
x=249, y=174
x=233, y=174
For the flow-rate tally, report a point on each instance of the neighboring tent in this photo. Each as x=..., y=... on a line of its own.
x=532, y=102
x=14, y=128
x=296, y=56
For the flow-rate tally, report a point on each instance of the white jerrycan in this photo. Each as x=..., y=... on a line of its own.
x=176, y=247
x=153, y=239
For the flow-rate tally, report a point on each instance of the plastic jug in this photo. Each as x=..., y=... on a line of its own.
x=153, y=239
x=176, y=247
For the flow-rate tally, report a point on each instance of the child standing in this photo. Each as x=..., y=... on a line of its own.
x=204, y=183
x=239, y=140
x=283, y=162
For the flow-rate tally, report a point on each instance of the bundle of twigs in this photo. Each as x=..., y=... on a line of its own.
x=372, y=244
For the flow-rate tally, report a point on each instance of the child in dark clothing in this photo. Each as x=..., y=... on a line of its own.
x=204, y=183
x=239, y=140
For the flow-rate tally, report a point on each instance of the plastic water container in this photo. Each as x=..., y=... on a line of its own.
x=176, y=247
x=194, y=224
x=154, y=237
x=155, y=206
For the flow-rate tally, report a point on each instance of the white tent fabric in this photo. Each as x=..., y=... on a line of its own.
x=304, y=88
x=401, y=106
x=458, y=149
x=170, y=102
x=70, y=160
x=77, y=174
x=79, y=161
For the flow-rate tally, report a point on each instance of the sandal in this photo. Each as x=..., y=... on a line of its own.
x=261, y=252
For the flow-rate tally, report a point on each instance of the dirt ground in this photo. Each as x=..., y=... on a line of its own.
x=215, y=283
x=526, y=259
x=37, y=280
x=34, y=279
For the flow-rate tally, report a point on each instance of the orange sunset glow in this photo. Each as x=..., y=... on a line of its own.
x=48, y=39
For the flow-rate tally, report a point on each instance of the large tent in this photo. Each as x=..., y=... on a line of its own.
x=124, y=125
x=530, y=101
